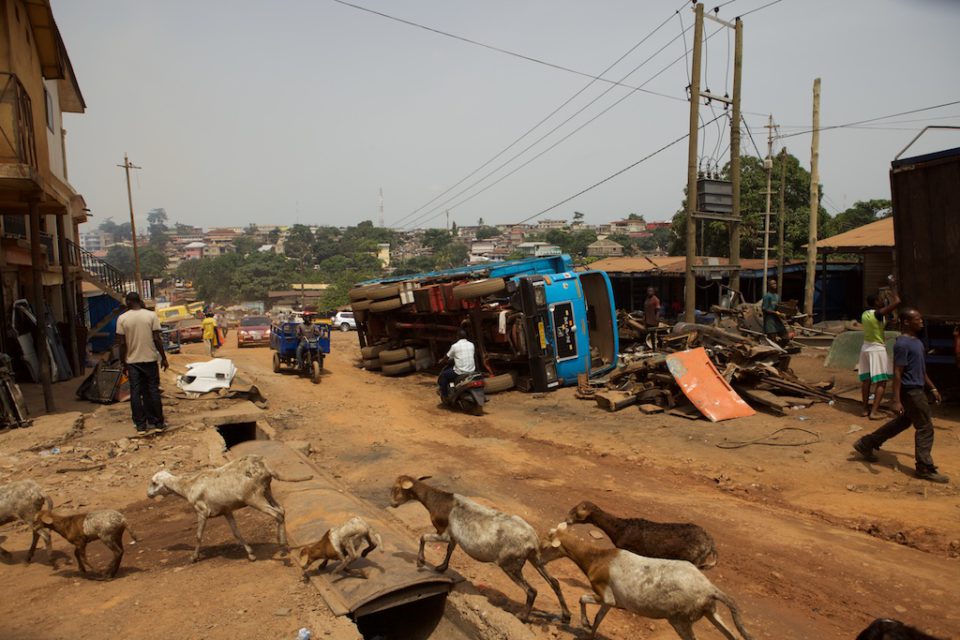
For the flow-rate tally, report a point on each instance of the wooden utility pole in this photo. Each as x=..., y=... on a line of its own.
x=814, y=206
x=783, y=213
x=735, y=157
x=40, y=306
x=690, y=282
x=133, y=225
x=768, y=166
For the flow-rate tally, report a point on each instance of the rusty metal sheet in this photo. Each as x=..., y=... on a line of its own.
x=705, y=387
x=315, y=505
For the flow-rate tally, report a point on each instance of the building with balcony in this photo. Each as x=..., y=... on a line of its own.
x=40, y=258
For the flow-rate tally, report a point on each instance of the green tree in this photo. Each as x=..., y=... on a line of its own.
x=636, y=216
x=153, y=261
x=436, y=239
x=110, y=227
x=487, y=232
x=862, y=212
x=157, y=227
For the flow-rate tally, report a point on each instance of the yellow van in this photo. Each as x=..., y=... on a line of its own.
x=173, y=313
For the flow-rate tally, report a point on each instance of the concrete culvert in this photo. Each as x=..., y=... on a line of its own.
x=410, y=615
x=233, y=433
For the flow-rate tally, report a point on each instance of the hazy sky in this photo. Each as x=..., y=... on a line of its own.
x=277, y=112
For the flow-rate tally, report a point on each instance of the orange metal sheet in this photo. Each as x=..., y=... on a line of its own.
x=705, y=387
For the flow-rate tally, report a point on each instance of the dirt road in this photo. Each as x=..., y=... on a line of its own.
x=812, y=544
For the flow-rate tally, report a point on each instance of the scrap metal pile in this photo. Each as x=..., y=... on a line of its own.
x=698, y=369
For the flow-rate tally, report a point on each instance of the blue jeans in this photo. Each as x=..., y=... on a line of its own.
x=447, y=376
x=301, y=347
x=145, y=403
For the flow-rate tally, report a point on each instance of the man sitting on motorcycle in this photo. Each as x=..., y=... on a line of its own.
x=462, y=354
x=306, y=332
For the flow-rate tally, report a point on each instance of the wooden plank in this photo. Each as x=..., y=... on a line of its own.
x=651, y=408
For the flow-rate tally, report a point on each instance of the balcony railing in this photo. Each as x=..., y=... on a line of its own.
x=17, y=139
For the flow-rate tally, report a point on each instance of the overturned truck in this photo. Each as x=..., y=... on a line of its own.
x=537, y=324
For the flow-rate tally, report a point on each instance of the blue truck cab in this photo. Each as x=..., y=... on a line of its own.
x=542, y=321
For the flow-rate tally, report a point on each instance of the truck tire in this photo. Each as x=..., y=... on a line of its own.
x=383, y=292
x=422, y=353
x=371, y=364
x=423, y=364
x=390, y=304
x=360, y=316
x=479, y=288
x=397, y=368
x=503, y=382
x=359, y=293
x=373, y=351
x=360, y=305
x=396, y=355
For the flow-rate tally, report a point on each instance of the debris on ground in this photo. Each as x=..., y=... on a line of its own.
x=203, y=377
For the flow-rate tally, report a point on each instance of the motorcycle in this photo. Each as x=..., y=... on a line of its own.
x=466, y=394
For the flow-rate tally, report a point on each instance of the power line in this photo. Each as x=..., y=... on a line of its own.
x=536, y=126
x=869, y=120
x=769, y=4
x=612, y=176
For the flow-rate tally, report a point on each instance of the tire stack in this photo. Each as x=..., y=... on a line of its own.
x=371, y=357
x=502, y=382
x=396, y=362
x=479, y=288
x=359, y=302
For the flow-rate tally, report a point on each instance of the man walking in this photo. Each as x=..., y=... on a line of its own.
x=138, y=332
x=209, y=325
x=874, y=367
x=462, y=353
x=772, y=319
x=909, y=401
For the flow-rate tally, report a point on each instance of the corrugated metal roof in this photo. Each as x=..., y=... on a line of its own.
x=668, y=264
x=874, y=236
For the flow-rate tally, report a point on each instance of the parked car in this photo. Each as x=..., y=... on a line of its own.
x=253, y=331
x=189, y=330
x=345, y=321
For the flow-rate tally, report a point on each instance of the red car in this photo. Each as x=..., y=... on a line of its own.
x=189, y=330
x=253, y=331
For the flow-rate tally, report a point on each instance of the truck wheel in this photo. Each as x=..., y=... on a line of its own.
x=383, y=292
x=396, y=355
x=315, y=372
x=371, y=364
x=386, y=305
x=397, y=368
x=276, y=362
x=479, y=288
x=423, y=364
x=503, y=382
x=360, y=316
x=372, y=351
x=360, y=305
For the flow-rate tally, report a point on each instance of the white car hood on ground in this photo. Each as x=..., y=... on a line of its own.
x=202, y=377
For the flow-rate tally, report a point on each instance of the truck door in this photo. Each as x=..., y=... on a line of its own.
x=543, y=363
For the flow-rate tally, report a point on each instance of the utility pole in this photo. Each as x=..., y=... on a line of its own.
x=783, y=212
x=690, y=282
x=735, y=157
x=381, y=207
x=814, y=206
x=133, y=225
x=448, y=219
x=768, y=165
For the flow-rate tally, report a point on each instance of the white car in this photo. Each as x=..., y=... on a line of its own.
x=345, y=321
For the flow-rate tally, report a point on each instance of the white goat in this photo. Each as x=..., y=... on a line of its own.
x=23, y=500
x=219, y=492
x=487, y=535
x=674, y=590
x=341, y=543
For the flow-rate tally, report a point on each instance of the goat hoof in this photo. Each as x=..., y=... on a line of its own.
x=252, y=558
x=565, y=619
x=194, y=558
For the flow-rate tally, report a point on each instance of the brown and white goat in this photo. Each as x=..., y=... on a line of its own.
x=80, y=528
x=668, y=540
x=23, y=500
x=486, y=535
x=341, y=543
x=674, y=590
x=244, y=482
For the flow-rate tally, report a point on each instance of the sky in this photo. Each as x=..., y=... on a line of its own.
x=301, y=111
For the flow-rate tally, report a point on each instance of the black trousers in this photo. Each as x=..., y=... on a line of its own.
x=916, y=412
x=145, y=394
x=447, y=376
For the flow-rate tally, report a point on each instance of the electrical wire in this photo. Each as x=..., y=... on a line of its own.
x=537, y=125
x=878, y=118
x=750, y=134
x=769, y=4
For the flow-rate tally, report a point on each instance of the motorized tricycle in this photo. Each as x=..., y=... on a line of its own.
x=285, y=338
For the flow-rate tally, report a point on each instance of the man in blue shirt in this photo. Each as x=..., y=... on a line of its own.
x=772, y=318
x=909, y=401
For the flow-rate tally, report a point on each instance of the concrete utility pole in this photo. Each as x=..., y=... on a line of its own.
x=814, y=206
x=448, y=219
x=768, y=165
x=735, y=157
x=381, y=207
x=133, y=225
x=690, y=282
x=783, y=212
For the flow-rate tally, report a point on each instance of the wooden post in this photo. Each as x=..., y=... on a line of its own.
x=69, y=297
x=690, y=282
x=783, y=213
x=768, y=166
x=814, y=206
x=133, y=227
x=39, y=306
x=735, y=158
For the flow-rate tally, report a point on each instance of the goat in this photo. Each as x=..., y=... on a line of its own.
x=80, y=528
x=650, y=587
x=671, y=541
x=341, y=543
x=887, y=629
x=219, y=492
x=487, y=535
x=23, y=500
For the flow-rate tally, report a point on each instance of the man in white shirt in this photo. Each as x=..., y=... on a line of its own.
x=462, y=353
x=141, y=347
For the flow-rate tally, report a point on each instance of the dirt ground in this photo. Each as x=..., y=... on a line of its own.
x=812, y=542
